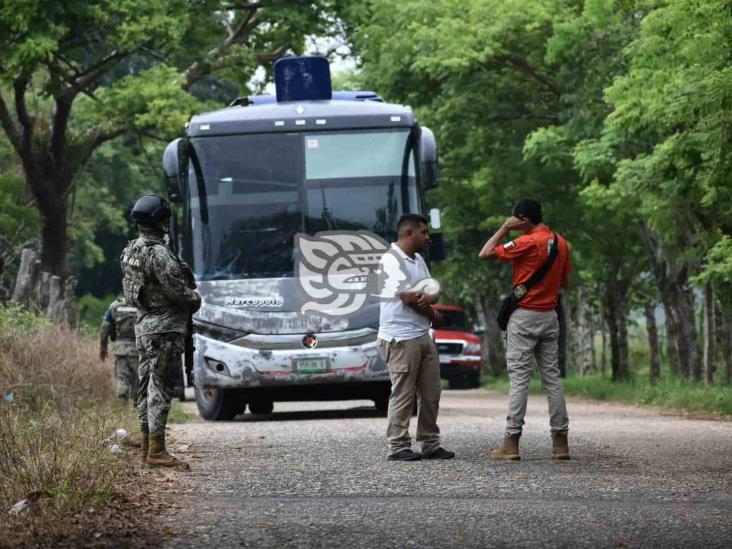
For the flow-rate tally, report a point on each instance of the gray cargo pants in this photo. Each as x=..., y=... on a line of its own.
x=534, y=334
x=414, y=369
x=125, y=370
x=160, y=356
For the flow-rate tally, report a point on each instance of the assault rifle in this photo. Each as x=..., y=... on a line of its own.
x=188, y=353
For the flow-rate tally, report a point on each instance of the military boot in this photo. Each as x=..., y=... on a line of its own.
x=158, y=456
x=560, y=446
x=145, y=446
x=508, y=450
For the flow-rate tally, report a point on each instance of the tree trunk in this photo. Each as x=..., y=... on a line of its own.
x=492, y=338
x=651, y=328
x=710, y=333
x=54, y=239
x=616, y=317
x=480, y=316
x=593, y=319
x=43, y=293
x=565, y=325
x=49, y=187
x=688, y=343
x=603, y=342
x=5, y=249
x=583, y=335
x=623, y=368
x=725, y=326
x=671, y=336
x=27, y=277
x=672, y=278
x=679, y=305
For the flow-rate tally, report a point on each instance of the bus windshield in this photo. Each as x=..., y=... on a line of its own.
x=248, y=195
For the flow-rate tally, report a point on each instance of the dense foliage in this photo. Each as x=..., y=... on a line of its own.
x=616, y=114
x=77, y=75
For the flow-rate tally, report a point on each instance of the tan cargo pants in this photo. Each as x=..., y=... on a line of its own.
x=534, y=334
x=414, y=369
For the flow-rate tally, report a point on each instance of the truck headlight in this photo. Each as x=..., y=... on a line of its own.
x=472, y=349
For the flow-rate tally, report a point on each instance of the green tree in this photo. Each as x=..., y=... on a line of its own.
x=668, y=140
x=19, y=220
x=81, y=74
x=477, y=73
x=585, y=48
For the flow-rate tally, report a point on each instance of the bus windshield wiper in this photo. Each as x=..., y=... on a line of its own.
x=325, y=214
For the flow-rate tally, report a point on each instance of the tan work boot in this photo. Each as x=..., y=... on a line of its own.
x=560, y=446
x=145, y=446
x=508, y=450
x=132, y=441
x=158, y=456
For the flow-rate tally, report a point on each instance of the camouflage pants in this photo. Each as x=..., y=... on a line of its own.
x=125, y=370
x=160, y=358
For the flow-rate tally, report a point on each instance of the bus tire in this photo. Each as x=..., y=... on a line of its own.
x=218, y=404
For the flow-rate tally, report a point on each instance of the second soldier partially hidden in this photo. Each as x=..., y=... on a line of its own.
x=162, y=288
x=118, y=325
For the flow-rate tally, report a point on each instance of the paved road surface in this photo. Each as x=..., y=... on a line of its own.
x=315, y=475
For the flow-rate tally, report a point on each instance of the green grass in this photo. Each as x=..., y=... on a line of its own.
x=670, y=393
x=179, y=414
x=92, y=310
x=57, y=412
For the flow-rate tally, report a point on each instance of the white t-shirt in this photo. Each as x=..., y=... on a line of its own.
x=397, y=321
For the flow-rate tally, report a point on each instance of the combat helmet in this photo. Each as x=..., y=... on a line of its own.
x=150, y=210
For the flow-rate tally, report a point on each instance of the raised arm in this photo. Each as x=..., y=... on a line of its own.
x=489, y=248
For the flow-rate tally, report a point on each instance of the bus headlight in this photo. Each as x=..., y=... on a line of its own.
x=217, y=366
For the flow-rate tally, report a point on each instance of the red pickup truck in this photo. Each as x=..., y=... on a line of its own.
x=461, y=355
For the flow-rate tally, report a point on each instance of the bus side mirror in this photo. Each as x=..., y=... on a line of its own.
x=435, y=218
x=172, y=169
x=429, y=164
x=437, y=247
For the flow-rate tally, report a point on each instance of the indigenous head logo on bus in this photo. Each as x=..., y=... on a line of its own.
x=339, y=270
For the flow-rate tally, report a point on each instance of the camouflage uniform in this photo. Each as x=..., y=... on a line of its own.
x=162, y=288
x=118, y=325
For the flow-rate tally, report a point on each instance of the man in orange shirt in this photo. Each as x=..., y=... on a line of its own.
x=533, y=329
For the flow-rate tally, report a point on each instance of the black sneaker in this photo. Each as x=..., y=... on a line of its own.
x=405, y=455
x=440, y=453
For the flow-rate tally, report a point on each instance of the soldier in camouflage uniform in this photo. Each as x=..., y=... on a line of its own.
x=118, y=325
x=162, y=288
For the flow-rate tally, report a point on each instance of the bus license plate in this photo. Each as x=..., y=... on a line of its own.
x=311, y=365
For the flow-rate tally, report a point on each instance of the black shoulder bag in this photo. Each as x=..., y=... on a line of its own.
x=510, y=304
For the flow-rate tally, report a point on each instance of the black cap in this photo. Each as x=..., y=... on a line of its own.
x=149, y=210
x=530, y=209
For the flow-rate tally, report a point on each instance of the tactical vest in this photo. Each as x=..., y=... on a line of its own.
x=137, y=289
x=124, y=322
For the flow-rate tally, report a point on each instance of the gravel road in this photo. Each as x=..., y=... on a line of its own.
x=316, y=475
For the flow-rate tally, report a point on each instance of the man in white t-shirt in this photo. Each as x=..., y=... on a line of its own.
x=407, y=348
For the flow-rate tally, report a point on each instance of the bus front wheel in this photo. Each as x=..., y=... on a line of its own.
x=219, y=404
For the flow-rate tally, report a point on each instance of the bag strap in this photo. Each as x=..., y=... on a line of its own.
x=541, y=272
